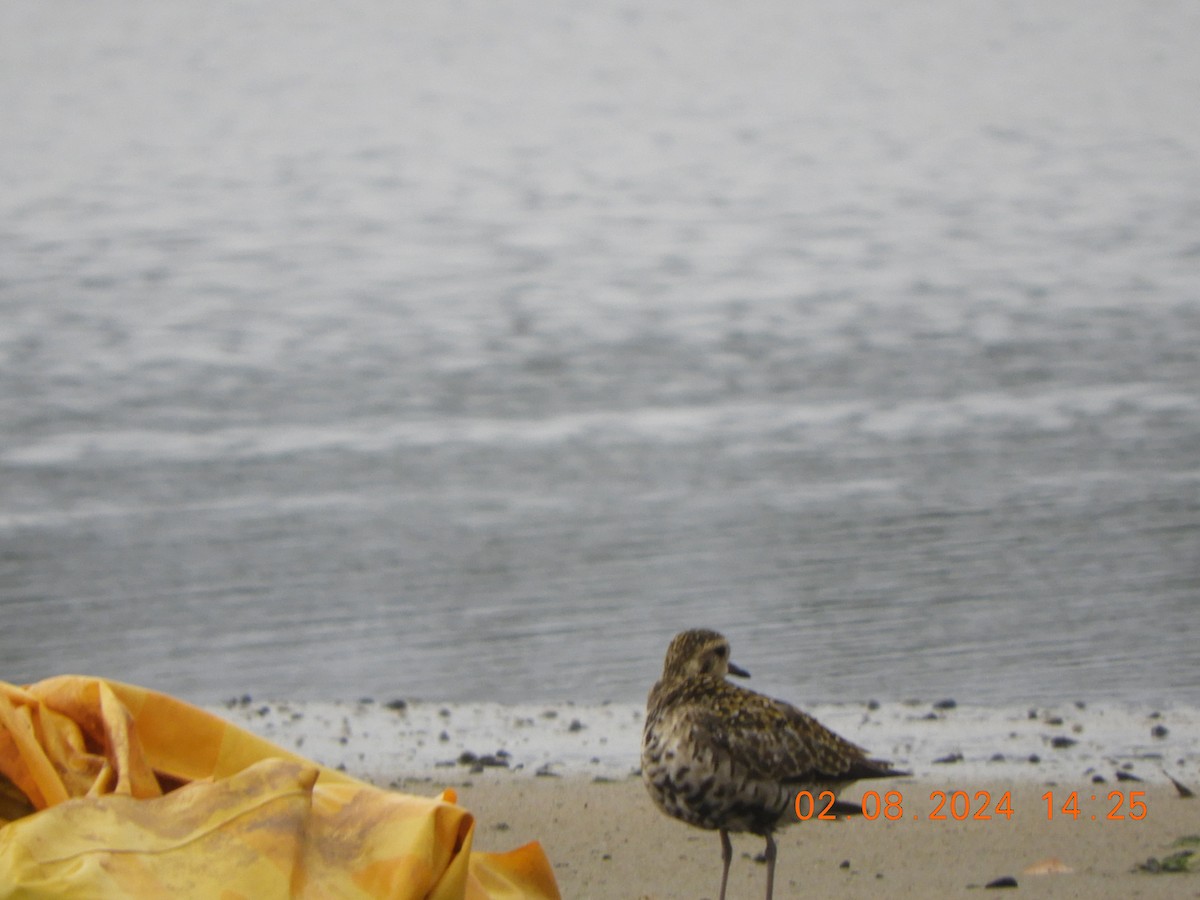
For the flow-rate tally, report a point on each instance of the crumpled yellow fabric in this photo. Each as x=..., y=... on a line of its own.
x=138, y=794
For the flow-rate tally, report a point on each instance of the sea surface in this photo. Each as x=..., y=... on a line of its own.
x=466, y=351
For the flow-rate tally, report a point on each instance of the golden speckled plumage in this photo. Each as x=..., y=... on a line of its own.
x=722, y=757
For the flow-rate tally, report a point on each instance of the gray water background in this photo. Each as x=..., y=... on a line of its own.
x=468, y=350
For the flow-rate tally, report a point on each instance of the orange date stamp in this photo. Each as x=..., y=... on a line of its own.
x=981, y=806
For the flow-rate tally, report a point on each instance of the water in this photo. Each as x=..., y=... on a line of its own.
x=467, y=351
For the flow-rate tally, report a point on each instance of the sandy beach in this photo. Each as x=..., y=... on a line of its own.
x=608, y=843
x=566, y=776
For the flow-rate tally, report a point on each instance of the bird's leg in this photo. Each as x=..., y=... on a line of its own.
x=726, y=856
x=770, y=856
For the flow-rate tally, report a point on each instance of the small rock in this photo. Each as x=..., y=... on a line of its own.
x=576, y=725
x=1005, y=881
x=844, y=864
x=1034, y=758
x=1159, y=731
x=948, y=759
x=1054, y=720
x=948, y=703
x=1099, y=779
x=467, y=758
x=1184, y=791
x=1122, y=775
x=872, y=705
x=397, y=705
x=1061, y=742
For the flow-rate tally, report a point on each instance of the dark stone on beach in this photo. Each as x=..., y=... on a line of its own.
x=467, y=758
x=948, y=759
x=1054, y=720
x=1034, y=758
x=844, y=864
x=948, y=703
x=444, y=736
x=1032, y=714
x=1079, y=704
x=366, y=701
x=1122, y=775
x=872, y=705
x=396, y=705
x=576, y=725
x=1005, y=881
x=1184, y=791
x=1099, y=779
x=1061, y=742
x=546, y=772
x=997, y=757
x=1159, y=731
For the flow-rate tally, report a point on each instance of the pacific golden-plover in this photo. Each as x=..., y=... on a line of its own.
x=722, y=757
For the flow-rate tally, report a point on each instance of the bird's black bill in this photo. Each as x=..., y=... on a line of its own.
x=738, y=671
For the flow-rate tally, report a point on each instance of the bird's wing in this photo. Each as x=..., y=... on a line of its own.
x=771, y=739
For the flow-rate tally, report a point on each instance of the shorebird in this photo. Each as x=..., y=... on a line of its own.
x=721, y=757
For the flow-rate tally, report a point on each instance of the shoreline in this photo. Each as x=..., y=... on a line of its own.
x=391, y=740
x=566, y=776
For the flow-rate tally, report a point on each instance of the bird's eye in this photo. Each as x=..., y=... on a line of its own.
x=722, y=652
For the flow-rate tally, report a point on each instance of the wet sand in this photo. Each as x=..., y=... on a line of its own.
x=606, y=841
x=566, y=776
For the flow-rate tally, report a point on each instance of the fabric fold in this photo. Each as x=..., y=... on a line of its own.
x=139, y=794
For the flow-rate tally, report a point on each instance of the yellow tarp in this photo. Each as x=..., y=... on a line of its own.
x=139, y=794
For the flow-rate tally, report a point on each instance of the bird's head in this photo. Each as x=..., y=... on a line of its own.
x=699, y=652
